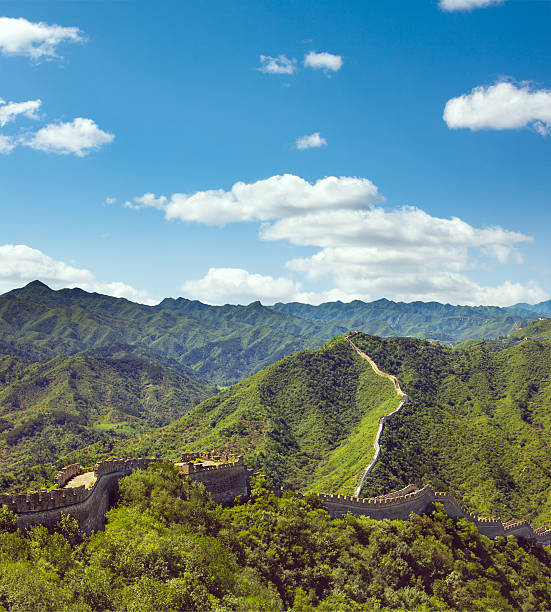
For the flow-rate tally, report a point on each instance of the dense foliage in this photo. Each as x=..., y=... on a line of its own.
x=48, y=409
x=303, y=421
x=167, y=547
x=478, y=424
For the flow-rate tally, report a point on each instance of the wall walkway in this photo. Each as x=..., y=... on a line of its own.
x=383, y=419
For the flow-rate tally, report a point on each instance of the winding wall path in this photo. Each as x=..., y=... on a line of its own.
x=383, y=419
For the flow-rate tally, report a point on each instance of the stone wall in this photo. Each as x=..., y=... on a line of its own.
x=66, y=473
x=401, y=506
x=224, y=482
x=209, y=456
x=88, y=506
x=227, y=481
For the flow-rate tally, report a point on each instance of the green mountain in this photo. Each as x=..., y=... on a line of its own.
x=48, y=409
x=306, y=421
x=478, y=423
x=427, y=320
x=221, y=344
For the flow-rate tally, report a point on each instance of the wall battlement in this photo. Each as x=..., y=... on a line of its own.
x=66, y=473
x=228, y=480
x=399, y=506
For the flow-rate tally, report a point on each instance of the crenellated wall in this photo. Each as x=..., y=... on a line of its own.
x=400, y=506
x=88, y=506
x=224, y=482
x=66, y=473
x=210, y=456
x=228, y=480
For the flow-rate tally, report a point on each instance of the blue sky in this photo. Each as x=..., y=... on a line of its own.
x=428, y=175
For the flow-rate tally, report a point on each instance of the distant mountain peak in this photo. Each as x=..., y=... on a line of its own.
x=35, y=286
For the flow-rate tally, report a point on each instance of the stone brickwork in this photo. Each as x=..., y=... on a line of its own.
x=224, y=482
x=209, y=456
x=66, y=473
x=88, y=506
x=399, y=507
x=228, y=480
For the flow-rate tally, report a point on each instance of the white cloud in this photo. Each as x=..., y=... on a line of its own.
x=313, y=141
x=148, y=200
x=7, y=144
x=323, y=61
x=78, y=137
x=235, y=285
x=10, y=110
x=407, y=226
x=467, y=5
x=20, y=264
x=110, y=201
x=364, y=251
x=36, y=40
x=499, y=107
x=278, y=196
x=277, y=65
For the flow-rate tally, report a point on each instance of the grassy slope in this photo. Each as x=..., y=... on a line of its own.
x=478, y=424
x=307, y=421
x=48, y=409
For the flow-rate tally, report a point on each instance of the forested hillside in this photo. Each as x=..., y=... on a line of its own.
x=48, y=409
x=478, y=423
x=221, y=344
x=167, y=547
x=428, y=320
x=306, y=421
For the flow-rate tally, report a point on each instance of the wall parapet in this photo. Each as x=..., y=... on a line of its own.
x=66, y=473
x=210, y=456
x=193, y=468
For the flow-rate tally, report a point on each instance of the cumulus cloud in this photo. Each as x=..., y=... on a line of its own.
x=313, y=141
x=18, y=36
x=323, y=61
x=77, y=137
x=467, y=5
x=10, y=110
x=235, y=285
x=277, y=65
x=278, y=196
x=500, y=107
x=364, y=250
x=7, y=144
x=20, y=264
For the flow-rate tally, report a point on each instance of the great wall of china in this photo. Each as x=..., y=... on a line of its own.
x=225, y=477
x=383, y=419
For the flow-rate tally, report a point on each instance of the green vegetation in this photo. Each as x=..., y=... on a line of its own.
x=167, y=547
x=48, y=409
x=477, y=424
x=222, y=344
x=307, y=421
x=427, y=320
